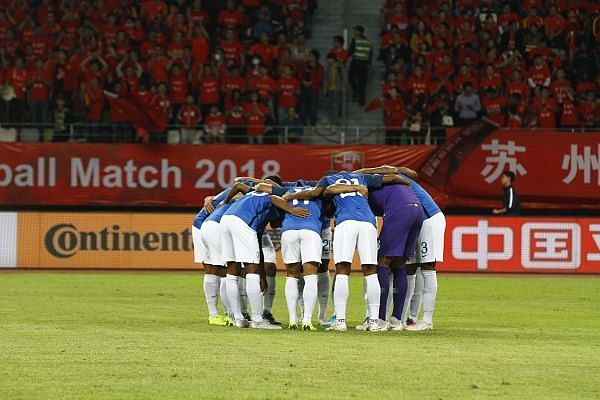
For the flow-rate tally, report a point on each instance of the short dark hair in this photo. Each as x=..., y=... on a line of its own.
x=274, y=178
x=510, y=175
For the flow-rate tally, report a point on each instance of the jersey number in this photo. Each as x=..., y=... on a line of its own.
x=295, y=202
x=352, y=181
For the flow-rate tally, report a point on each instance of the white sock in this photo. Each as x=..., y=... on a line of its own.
x=243, y=295
x=373, y=295
x=254, y=298
x=409, y=292
x=291, y=298
x=223, y=295
x=270, y=293
x=340, y=296
x=415, y=302
x=211, y=292
x=233, y=293
x=310, y=297
x=366, y=298
x=300, y=291
x=323, y=293
x=429, y=293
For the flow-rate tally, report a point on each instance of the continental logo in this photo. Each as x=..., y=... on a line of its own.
x=65, y=240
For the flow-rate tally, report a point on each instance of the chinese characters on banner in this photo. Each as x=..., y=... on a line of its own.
x=498, y=244
x=553, y=170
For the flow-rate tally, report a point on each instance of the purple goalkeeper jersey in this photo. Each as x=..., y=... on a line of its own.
x=402, y=219
x=390, y=198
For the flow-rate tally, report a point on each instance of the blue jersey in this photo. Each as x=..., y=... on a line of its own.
x=219, y=212
x=429, y=205
x=202, y=215
x=312, y=222
x=255, y=209
x=352, y=206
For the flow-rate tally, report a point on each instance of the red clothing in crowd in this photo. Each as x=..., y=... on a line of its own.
x=94, y=100
x=18, y=79
x=289, y=88
x=568, y=115
x=39, y=85
x=265, y=86
x=495, y=109
x=256, y=115
x=189, y=115
x=178, y=88
x=214, y=122
x=393, y=111
x=209, y=91
x=546, y=112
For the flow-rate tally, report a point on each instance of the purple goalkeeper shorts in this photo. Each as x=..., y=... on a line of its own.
x=401, y=227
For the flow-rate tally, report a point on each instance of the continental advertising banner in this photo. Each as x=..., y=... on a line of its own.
x=167, y=175
x=164, y=241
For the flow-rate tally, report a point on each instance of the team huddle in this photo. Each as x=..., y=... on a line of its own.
x=230, y=239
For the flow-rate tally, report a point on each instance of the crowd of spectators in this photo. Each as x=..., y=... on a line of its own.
x=528, y=63
x=241, y=64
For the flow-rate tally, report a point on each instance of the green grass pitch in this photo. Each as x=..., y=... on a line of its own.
x=145, y=336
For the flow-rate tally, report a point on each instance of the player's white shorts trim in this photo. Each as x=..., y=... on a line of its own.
x=302, y=245
x=351, y=235
x=430, y=244
x=268, y=249
x=239, y=242
x=327, y=244
x=210, y=234
x=199, y=249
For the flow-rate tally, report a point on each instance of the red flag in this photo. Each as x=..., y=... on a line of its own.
x=375, y=104
x=140, y=114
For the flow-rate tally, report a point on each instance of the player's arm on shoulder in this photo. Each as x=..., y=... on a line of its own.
x=384, y=169
x=283, y=205
x=408, y=172
x=235, y=189
x=264, y=187
x=208, y=207
x=305, y=194
x=395, y=180
x=339, y=188
x=248, y=179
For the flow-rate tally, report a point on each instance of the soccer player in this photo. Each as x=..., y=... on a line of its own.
x=402, y=219
x=241, y=225
x=355, y=228
x=323, y=269
x=269, y=259
x=301, y=248
x=429, y=250
x=213, y=269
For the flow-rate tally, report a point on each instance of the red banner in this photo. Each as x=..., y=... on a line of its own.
x=167, y=175
x=503, y=244
x=553, y=169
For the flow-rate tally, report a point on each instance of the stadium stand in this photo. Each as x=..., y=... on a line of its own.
x=529, y=63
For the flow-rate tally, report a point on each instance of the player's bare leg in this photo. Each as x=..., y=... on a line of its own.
x=292, y=293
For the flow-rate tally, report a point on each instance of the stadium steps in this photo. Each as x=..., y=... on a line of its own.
x=329, y=21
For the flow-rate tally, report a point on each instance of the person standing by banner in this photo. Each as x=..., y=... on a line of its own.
x=361, y=51
x=510, y=202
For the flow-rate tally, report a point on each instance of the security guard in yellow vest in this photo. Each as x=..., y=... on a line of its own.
x=361, y=51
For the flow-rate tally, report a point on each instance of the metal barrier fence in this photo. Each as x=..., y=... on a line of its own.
x=177, y=134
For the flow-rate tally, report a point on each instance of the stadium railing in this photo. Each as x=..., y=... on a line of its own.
x=275, y=134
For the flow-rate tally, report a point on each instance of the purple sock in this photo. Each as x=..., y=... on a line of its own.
x=400, y=289
x=384, y=281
